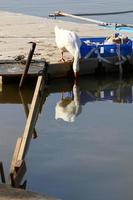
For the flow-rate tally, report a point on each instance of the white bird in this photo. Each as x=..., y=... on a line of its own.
x=69, y=41
x=68, y=108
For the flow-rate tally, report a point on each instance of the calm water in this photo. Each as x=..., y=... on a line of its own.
x=43, y=8
x=89, y=158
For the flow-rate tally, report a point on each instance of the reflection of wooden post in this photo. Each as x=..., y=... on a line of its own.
x=27, y=64
x=26, y=108
x=2, y=173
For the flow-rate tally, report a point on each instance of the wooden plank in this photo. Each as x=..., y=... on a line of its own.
x=18, y=167
x=17, y=68
x=56, y=70
x=31, y=120
x=15, y=154
x=1, y=84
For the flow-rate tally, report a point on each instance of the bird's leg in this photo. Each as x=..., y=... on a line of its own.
x=62, y=59
x=62, y=56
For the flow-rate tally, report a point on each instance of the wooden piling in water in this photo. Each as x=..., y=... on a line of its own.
x=18, y=166
x=2, y=173
x=31, y=120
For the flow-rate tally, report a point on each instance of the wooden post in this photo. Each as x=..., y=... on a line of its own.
x=0, y=83
x=27, y=64
x=15, y=154
x=31, y=120
x=18, y=166
x=2, y=173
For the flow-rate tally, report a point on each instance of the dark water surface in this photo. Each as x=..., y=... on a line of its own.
x=91, y=157
x=87, y=153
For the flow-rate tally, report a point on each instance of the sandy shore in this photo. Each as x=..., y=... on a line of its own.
x=16, y=30
x=9, y=193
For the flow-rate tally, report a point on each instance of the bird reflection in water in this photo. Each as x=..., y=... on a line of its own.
x=69, y=107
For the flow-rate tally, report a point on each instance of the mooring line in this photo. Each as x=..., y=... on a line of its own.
x=104, y=13
x=99, y=13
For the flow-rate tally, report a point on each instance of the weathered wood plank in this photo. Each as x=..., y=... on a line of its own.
x=31, y=120
x=15, y=155
x=57, y=70
x=13, y=68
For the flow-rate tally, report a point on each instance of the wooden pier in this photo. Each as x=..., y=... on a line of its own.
x=57, y=70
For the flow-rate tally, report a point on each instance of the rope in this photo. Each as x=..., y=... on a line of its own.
x=104, y=13
x=121, y=58
x=101, y=59
x=96, y=14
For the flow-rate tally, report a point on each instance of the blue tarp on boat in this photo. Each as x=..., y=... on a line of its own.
x=105, y=50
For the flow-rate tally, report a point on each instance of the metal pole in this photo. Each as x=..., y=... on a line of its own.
x=60, y=13
x=79, y=16
x=28, y=62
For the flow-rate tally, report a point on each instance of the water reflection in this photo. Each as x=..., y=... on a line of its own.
x=11, y=95
x=69, y=107
x=87, y=90
x=73, y=97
